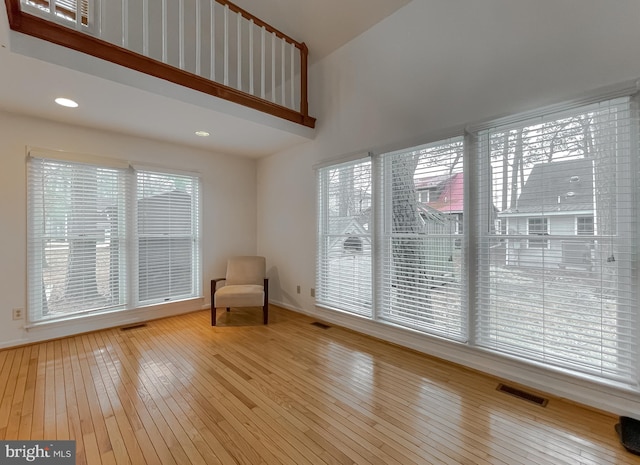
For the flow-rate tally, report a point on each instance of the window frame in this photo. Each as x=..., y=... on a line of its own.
x=538, y=243
x=580, y=231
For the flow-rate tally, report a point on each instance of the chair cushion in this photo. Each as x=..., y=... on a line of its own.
x=240, y=295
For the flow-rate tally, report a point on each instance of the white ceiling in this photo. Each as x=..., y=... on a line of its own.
x=34, y=72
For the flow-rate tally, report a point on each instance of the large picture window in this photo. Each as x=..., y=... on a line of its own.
x=546, y=269
x=82, y=254
x=572, y=302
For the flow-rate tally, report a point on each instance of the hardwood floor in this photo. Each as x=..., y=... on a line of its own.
x=178, y=391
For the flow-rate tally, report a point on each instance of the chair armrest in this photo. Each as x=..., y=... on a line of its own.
x=214, y=283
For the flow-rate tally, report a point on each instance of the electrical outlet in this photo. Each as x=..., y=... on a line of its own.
x=313, y=292
x=298, y=289
x=17, y=313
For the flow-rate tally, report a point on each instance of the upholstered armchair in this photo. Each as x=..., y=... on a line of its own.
x=245, y=285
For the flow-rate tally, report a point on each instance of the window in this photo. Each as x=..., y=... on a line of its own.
x=570, y=303
x=550, y=211
x=584, y=226
x=65, y=11
x=420, y=265
x=80, y=258
x=538, y=227
x=167, y=231
x=344, y=237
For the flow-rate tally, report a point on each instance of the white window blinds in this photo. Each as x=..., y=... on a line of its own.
x=65, y=10
x=103, y=236
x=344, y=237
x=421, y=264
x=167, y=231
x=557, y=215
x=76, y=238
x=527, y=249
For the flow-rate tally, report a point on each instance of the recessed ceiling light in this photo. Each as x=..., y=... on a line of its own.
x=202, y=133
x=65, y=102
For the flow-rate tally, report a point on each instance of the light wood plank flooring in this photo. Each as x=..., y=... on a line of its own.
x=179, y=391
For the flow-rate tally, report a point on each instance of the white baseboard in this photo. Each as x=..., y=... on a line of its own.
x=87, y=323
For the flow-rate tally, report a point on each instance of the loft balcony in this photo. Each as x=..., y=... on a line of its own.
x=210, y=46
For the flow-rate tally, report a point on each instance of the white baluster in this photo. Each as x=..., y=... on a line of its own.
x=125, y=24
x=145, y=27
x=52, y=9
x=198, y=38
x=283, y=74
x=226, y=45
x=181, y=32
x=292, y=85
x=251, y=25
x=165, y=45
x=263, y=53
x=100, y=24
x=212, y=21
x=239, y=47
x=273, y=67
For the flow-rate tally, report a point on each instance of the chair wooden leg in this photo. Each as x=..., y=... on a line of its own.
x=213, y=299
x=228, y=309
x=265, y=309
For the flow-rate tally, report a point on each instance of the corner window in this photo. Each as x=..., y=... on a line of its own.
x=80, y=236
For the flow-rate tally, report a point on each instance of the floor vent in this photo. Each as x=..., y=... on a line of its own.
x=136, y=326
x=523, y=395
x=320, y=325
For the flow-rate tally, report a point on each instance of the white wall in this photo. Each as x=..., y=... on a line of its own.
x=432, y=67
x=228, y=207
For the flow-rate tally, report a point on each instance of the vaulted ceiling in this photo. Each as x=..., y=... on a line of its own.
x=112, y=98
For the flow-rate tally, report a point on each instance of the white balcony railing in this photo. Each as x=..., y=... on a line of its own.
x=211, y=39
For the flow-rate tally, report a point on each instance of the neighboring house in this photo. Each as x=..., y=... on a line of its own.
x=556, y=200
x=349, y=236
x=445, y=194
x=349, y=256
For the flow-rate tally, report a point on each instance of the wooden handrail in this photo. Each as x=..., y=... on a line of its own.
x=52, y=32
x=235, y=8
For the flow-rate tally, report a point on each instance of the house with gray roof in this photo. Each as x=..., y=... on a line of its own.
x=555, y=215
